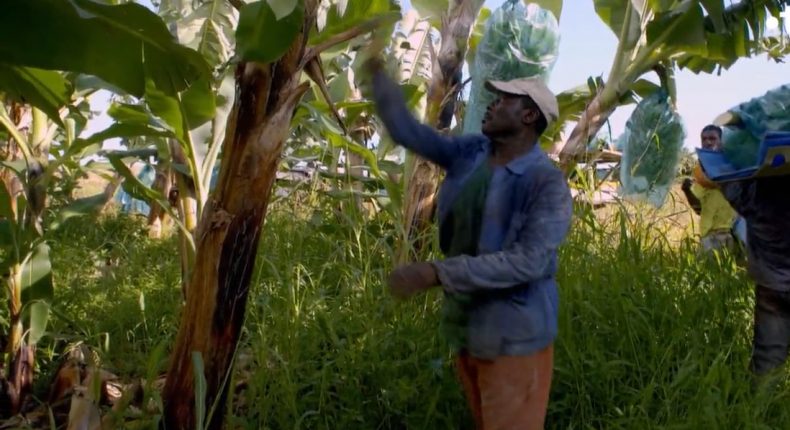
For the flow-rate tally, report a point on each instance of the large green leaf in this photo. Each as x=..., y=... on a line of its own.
x=166, y=108
x=135, y=154
x=44, y=89
x=370, y=158
x=644, y=88
x=715, y=9
x=38, y=317
x=345, y=16
x=83, y=83
x=122, y=130
x=368, y=155
x=6, y=238
x=198, y=104
x=571, y=104
x=130, y=121
x=170, y=10
x=262, y=37
x=37, y=275
x=743, y=30
x=663, y=6
x=132, y=185
x=681, y=29
x=613, y=14
x=282, y=8
x=120, y=44
x=210, y=30
x=134, y=113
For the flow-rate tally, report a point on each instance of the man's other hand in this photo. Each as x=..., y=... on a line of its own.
x=687, y=184
x=406, y=281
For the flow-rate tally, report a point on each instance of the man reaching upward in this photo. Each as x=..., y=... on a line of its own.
x=503, y=209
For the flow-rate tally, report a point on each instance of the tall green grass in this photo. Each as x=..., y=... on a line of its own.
x=651, y=335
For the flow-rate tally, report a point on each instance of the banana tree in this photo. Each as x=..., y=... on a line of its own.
x=29, y=168
x=24, y=259
x=100, y=43
x=209, y=29
x=183, y=130
x=700, y=35
x=275, y=43
x=172, y=126
x=324, y=135
x=143, y=60
x=38, y=155
x=422, y=177
x=412, y=53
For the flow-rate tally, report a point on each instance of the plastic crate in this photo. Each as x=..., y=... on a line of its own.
x=774, y=152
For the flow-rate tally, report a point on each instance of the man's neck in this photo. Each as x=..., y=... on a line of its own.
x=506, y=149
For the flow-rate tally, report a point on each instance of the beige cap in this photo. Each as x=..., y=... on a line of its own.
x=535, y=88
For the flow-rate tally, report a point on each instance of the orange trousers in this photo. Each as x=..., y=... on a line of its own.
x=509, y=392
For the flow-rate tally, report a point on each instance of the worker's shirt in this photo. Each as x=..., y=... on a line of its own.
x=716, y=213
x=526, y=215
x=765, y=205
x=459, y=234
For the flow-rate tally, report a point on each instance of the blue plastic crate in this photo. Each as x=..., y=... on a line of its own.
x=774, y=152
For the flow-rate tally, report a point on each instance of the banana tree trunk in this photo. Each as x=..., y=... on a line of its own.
x=20, y=357
x=229, y=230
x=37, y=187
x=354, y=170
x=15, y=313
x=423, y=177
x=591, y=121
x=604, y=104
x=187, y=191
x=360, y=134
x=184, y=199
x=156, y=217
x=18, y=378
x=14, y=188
x=187, y=212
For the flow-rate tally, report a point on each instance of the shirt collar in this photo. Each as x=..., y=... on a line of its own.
x=519, y=165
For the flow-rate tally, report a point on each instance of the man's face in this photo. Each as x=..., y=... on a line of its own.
x=506, y=115
x=711, y=140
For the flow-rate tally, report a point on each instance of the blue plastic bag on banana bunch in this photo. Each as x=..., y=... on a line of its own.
x=519, y=41
x=129, y=204
x=745, y=125
x=652, y=145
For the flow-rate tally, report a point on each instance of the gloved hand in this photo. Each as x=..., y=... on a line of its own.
x=687, y=184
x=406, y=281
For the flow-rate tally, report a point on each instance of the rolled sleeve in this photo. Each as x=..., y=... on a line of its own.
x=533, y=254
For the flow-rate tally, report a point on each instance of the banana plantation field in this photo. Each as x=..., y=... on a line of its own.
x=650, y=336
x=200, y=207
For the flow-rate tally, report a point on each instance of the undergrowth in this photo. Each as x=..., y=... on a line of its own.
x=651, y=334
